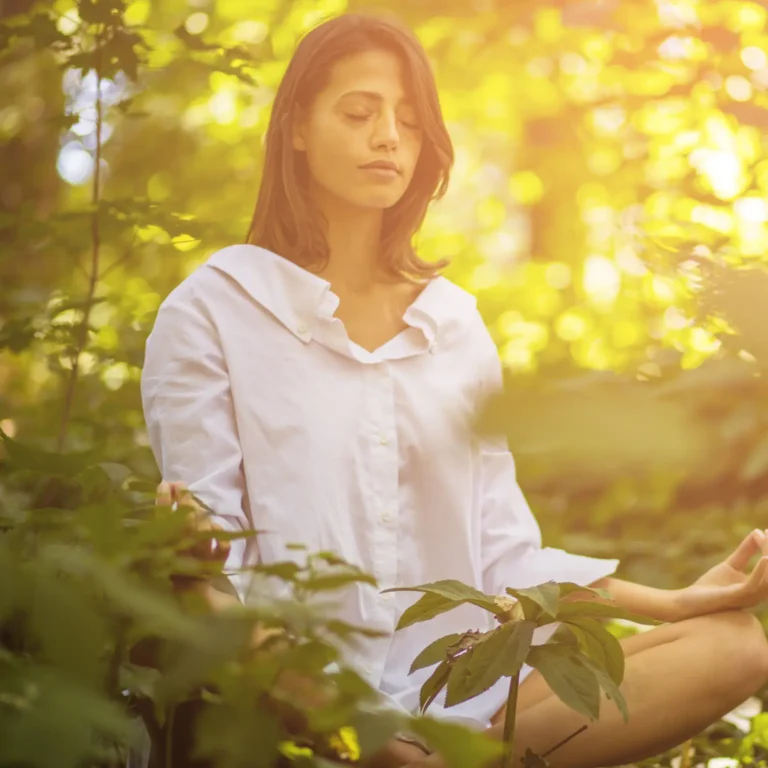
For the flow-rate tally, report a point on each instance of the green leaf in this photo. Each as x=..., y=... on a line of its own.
x=41, y=27
x=612, y=690
x=329, y=557
x=452, y=589
x=444, y=595
x=501, y=653
x=331, y=581
x=344, y=629
x=139, y=679
x=600, y=645
x=156, y=612
x=593, y=610
x=46, y=462
x=435, y=652
x=433, y=685
x=284, y=569
x=68, y=625
x=459, y=746
x=425, y=608
x=569, y=587
x=545, y=596
x=375, y=726
x=572, y=680
x=100, y=11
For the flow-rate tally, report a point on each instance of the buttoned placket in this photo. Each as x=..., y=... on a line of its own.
x=380, y=427
x=379, y=431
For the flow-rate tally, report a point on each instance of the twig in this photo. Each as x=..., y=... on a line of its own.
x=509, y=720
x=565, y=741
x=685, y=755
x=82, y=340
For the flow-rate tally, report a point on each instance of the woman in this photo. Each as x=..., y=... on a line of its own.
x=321, y=381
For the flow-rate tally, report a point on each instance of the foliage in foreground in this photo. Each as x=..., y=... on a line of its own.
x=614, y=158
x=584, y=658
x=93, y=634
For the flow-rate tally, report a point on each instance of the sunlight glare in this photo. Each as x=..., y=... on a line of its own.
x=601, y=280
x=74, y=164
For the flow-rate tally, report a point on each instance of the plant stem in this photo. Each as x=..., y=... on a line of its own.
x=685, y=756
x=93, y=281
x=169, y=736
x=509, y=721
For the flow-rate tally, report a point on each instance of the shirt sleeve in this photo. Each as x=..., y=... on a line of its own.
x=512, y=554
x=190, y=419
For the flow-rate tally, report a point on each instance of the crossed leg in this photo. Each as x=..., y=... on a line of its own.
x=679, y=678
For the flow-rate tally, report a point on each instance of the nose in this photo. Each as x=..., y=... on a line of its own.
x=386, y=133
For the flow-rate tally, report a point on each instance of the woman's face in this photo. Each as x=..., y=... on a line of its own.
x=363, y=115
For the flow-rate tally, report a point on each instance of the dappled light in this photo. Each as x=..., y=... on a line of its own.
x=608, y=207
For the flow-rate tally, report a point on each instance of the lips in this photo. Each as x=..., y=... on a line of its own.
x=383, y=165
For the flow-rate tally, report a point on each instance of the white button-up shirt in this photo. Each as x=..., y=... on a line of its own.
x=255, y=396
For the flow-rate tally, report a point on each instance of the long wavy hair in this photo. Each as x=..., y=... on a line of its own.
x=285, y=220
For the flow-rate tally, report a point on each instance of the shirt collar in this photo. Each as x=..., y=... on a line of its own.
x=297, y=297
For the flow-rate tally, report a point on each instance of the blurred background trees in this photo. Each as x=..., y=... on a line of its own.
x=608, y=207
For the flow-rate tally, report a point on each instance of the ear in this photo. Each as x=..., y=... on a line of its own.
x=298, y=128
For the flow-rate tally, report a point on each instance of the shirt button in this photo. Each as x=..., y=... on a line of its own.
x=387, y=596
x=386, y=516
x=383, y=439
x=302, y=328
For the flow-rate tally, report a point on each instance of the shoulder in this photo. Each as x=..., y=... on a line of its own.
x=204, y=287
x=453, y=291
x=459, y=308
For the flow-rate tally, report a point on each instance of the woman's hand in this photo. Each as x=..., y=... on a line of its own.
x=728, y=585
x=207, y=550
x=198, y=520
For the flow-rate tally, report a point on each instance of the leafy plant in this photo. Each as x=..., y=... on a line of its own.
x=94, y=631
x=585, y=659
x=632, y=261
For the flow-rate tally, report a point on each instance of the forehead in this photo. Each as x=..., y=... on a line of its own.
x=376, y=71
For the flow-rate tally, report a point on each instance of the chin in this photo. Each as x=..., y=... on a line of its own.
x=380, y=201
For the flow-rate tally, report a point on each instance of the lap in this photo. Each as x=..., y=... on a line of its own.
x=534, y=689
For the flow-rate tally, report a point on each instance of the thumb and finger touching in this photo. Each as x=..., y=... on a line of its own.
x=177, y=494
x=756, y=584
x=754, y=542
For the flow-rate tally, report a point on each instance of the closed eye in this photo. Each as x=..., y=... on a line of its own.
x=363, y=118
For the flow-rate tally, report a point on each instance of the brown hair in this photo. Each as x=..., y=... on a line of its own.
x=284, y=220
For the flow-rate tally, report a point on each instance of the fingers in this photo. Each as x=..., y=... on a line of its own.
x=756, y=586
x=176, y=494
x=163, y=497
x=754, y=542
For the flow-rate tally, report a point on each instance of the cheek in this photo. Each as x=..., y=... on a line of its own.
x=329, y=143
x=330, y=152
x=412, y=148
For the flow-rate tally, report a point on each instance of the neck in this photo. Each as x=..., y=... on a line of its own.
x=354, y=237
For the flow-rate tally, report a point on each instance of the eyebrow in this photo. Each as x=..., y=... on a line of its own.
x=375, y=95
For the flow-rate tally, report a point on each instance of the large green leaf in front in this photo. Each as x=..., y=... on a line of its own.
x=501, y=654
x=565, y=672
x=439, y=597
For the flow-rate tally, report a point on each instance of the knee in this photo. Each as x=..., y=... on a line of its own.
x=741, y=645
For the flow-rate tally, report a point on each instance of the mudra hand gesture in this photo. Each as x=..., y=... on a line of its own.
x=729, y=585
x=291, y=684
x=198, y=520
